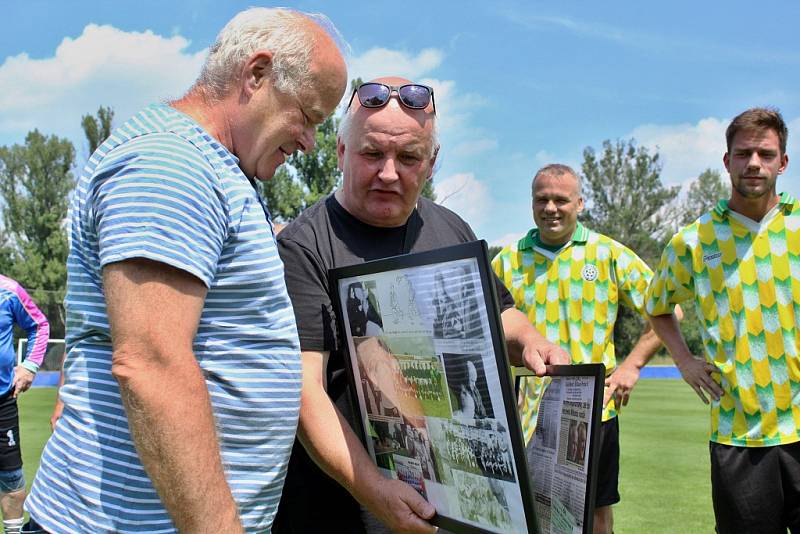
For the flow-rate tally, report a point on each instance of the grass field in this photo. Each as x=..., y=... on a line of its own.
x=664, y=468
x=35, y=407
x=664, y=479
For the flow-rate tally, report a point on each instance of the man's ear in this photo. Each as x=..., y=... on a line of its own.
x=257, y=71
x=340, y=154
x=784, y=163
x=433, y=161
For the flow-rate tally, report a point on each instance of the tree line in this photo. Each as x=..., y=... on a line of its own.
x=622, y=187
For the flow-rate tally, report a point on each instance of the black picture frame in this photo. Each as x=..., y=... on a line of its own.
x=477, y=454
x=596, y=373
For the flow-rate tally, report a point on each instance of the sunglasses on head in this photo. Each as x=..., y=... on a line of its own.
x=376, y=95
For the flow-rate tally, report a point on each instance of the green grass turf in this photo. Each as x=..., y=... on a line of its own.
x=664, y=471
x=35, y=408
x=664, y=467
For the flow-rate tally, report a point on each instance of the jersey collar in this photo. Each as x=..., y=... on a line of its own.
x=784, y=199
x=531, y=239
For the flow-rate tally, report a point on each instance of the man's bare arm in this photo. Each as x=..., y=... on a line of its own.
x=620, y=383
x=334, y=446
x=527, y=347
x=58, y=409
x=696, y=371
x=153, y=311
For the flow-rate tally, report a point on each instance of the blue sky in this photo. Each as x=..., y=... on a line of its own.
x=518, y=84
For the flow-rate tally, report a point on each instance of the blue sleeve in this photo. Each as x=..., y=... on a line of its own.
x=157, y=197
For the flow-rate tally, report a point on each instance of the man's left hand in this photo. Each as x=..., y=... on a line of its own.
x=619, y=386
x=22, y=380
x=402, y=509
x=536, y=355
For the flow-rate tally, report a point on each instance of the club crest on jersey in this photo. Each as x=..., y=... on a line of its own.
x=589, y=273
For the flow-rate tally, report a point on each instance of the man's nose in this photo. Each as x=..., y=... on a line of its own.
x=388, y=171
x=308, y=139
x=754, y=162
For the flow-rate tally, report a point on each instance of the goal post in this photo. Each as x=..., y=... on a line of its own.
x=52, y=357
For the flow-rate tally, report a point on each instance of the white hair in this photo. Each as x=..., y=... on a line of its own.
x=285, y=32
x=347, y=119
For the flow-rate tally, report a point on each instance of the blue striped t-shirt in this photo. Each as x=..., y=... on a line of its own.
x=162, y=188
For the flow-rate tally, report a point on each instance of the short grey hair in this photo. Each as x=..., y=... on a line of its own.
x=347, y=120
x=556, y=170
x=285, y=32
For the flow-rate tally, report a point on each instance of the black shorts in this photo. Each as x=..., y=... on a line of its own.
x=756, y=489
x=608, y=464
x=32, y=527
x=10, y=455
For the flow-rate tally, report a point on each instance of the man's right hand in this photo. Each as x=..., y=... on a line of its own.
x=698, y=374
x=401, y=508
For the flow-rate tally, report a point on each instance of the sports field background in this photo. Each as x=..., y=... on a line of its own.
x=664, y=480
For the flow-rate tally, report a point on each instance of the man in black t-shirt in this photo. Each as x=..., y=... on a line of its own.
x=387, y=149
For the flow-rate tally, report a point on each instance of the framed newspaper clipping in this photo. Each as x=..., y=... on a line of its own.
x=432, y=387
x=563, y=454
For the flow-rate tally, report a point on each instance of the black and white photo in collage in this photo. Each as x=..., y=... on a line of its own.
x=423, y=362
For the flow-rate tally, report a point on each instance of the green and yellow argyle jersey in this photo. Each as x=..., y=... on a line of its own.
x=571, y=295
x=744, y=277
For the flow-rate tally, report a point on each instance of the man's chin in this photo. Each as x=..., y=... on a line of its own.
x=388, y=216
x=753, y=193
x=268, y=174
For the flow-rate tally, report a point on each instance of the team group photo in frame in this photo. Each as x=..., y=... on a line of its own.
x=437, y=410
x=437, y=404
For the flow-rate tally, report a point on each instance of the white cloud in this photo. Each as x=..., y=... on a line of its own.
x=507, y=239
x=378, y=62
x=454, y=109
x=474, y=147
x=102, y=66
x=685, y=150
x=465, y=195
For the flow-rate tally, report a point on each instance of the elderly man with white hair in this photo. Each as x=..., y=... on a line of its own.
x=183, y=372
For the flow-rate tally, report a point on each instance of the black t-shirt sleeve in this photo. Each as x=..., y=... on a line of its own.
x=307, y=282
x=504, y=297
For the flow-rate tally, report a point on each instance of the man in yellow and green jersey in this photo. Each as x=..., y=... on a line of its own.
x=740, y=264
x=570, y=282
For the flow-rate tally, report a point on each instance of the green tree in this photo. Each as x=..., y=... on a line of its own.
x=428, y=191
x=626, y=201
x=6, y=253
x=35, y=181
x=702, y=196
x=625, y=198
x=304, y=178
x=97, y=128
